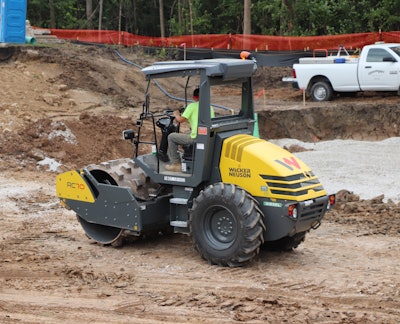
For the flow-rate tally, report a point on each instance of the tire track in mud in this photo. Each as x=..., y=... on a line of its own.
x=170, y=289
x=150, y=258
x=167, y=276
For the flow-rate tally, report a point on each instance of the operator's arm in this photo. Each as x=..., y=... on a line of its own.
x=178, y=117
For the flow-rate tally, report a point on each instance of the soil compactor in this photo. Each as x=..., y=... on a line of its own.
x=236, y=193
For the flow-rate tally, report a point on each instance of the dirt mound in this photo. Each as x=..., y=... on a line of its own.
x=90, y=139
x=94, y=95
x=370, y=217
x=337, y=120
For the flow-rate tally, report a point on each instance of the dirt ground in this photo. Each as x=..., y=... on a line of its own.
x=65, y=106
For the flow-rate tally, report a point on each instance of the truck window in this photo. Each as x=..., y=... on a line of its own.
x=377, y=55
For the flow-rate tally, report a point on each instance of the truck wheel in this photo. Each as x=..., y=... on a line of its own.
x=226, y=225
x=321, y=91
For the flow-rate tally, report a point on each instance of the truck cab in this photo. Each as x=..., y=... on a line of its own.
x=379, y=67
x=210, y=76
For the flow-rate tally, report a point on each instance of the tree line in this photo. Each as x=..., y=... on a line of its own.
x=184, y=17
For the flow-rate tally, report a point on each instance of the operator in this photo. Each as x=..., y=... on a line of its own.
x=191, y=114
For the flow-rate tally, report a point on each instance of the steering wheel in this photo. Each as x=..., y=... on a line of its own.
x=168, y=112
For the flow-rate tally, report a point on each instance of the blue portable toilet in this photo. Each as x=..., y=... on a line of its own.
x=12, y=21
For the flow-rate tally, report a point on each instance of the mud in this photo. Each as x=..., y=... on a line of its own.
x=69, y=104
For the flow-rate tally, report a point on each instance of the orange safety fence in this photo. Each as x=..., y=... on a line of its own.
x=231, y=41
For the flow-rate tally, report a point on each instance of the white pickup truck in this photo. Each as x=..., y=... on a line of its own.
x=377, y=68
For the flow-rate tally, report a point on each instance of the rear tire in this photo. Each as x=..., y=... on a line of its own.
x=321, y=91
x=226, y=225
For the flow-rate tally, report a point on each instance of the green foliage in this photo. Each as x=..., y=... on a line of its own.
x=69, y=13
x=385, y=14
x=266, y=17
x=38, y=13
x=269, y=17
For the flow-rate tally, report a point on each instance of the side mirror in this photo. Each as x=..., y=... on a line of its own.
x=389, y=59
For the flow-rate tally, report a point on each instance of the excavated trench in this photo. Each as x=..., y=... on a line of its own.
x=368, y=122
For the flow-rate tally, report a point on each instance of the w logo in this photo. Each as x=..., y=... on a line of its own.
x=290, y=163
